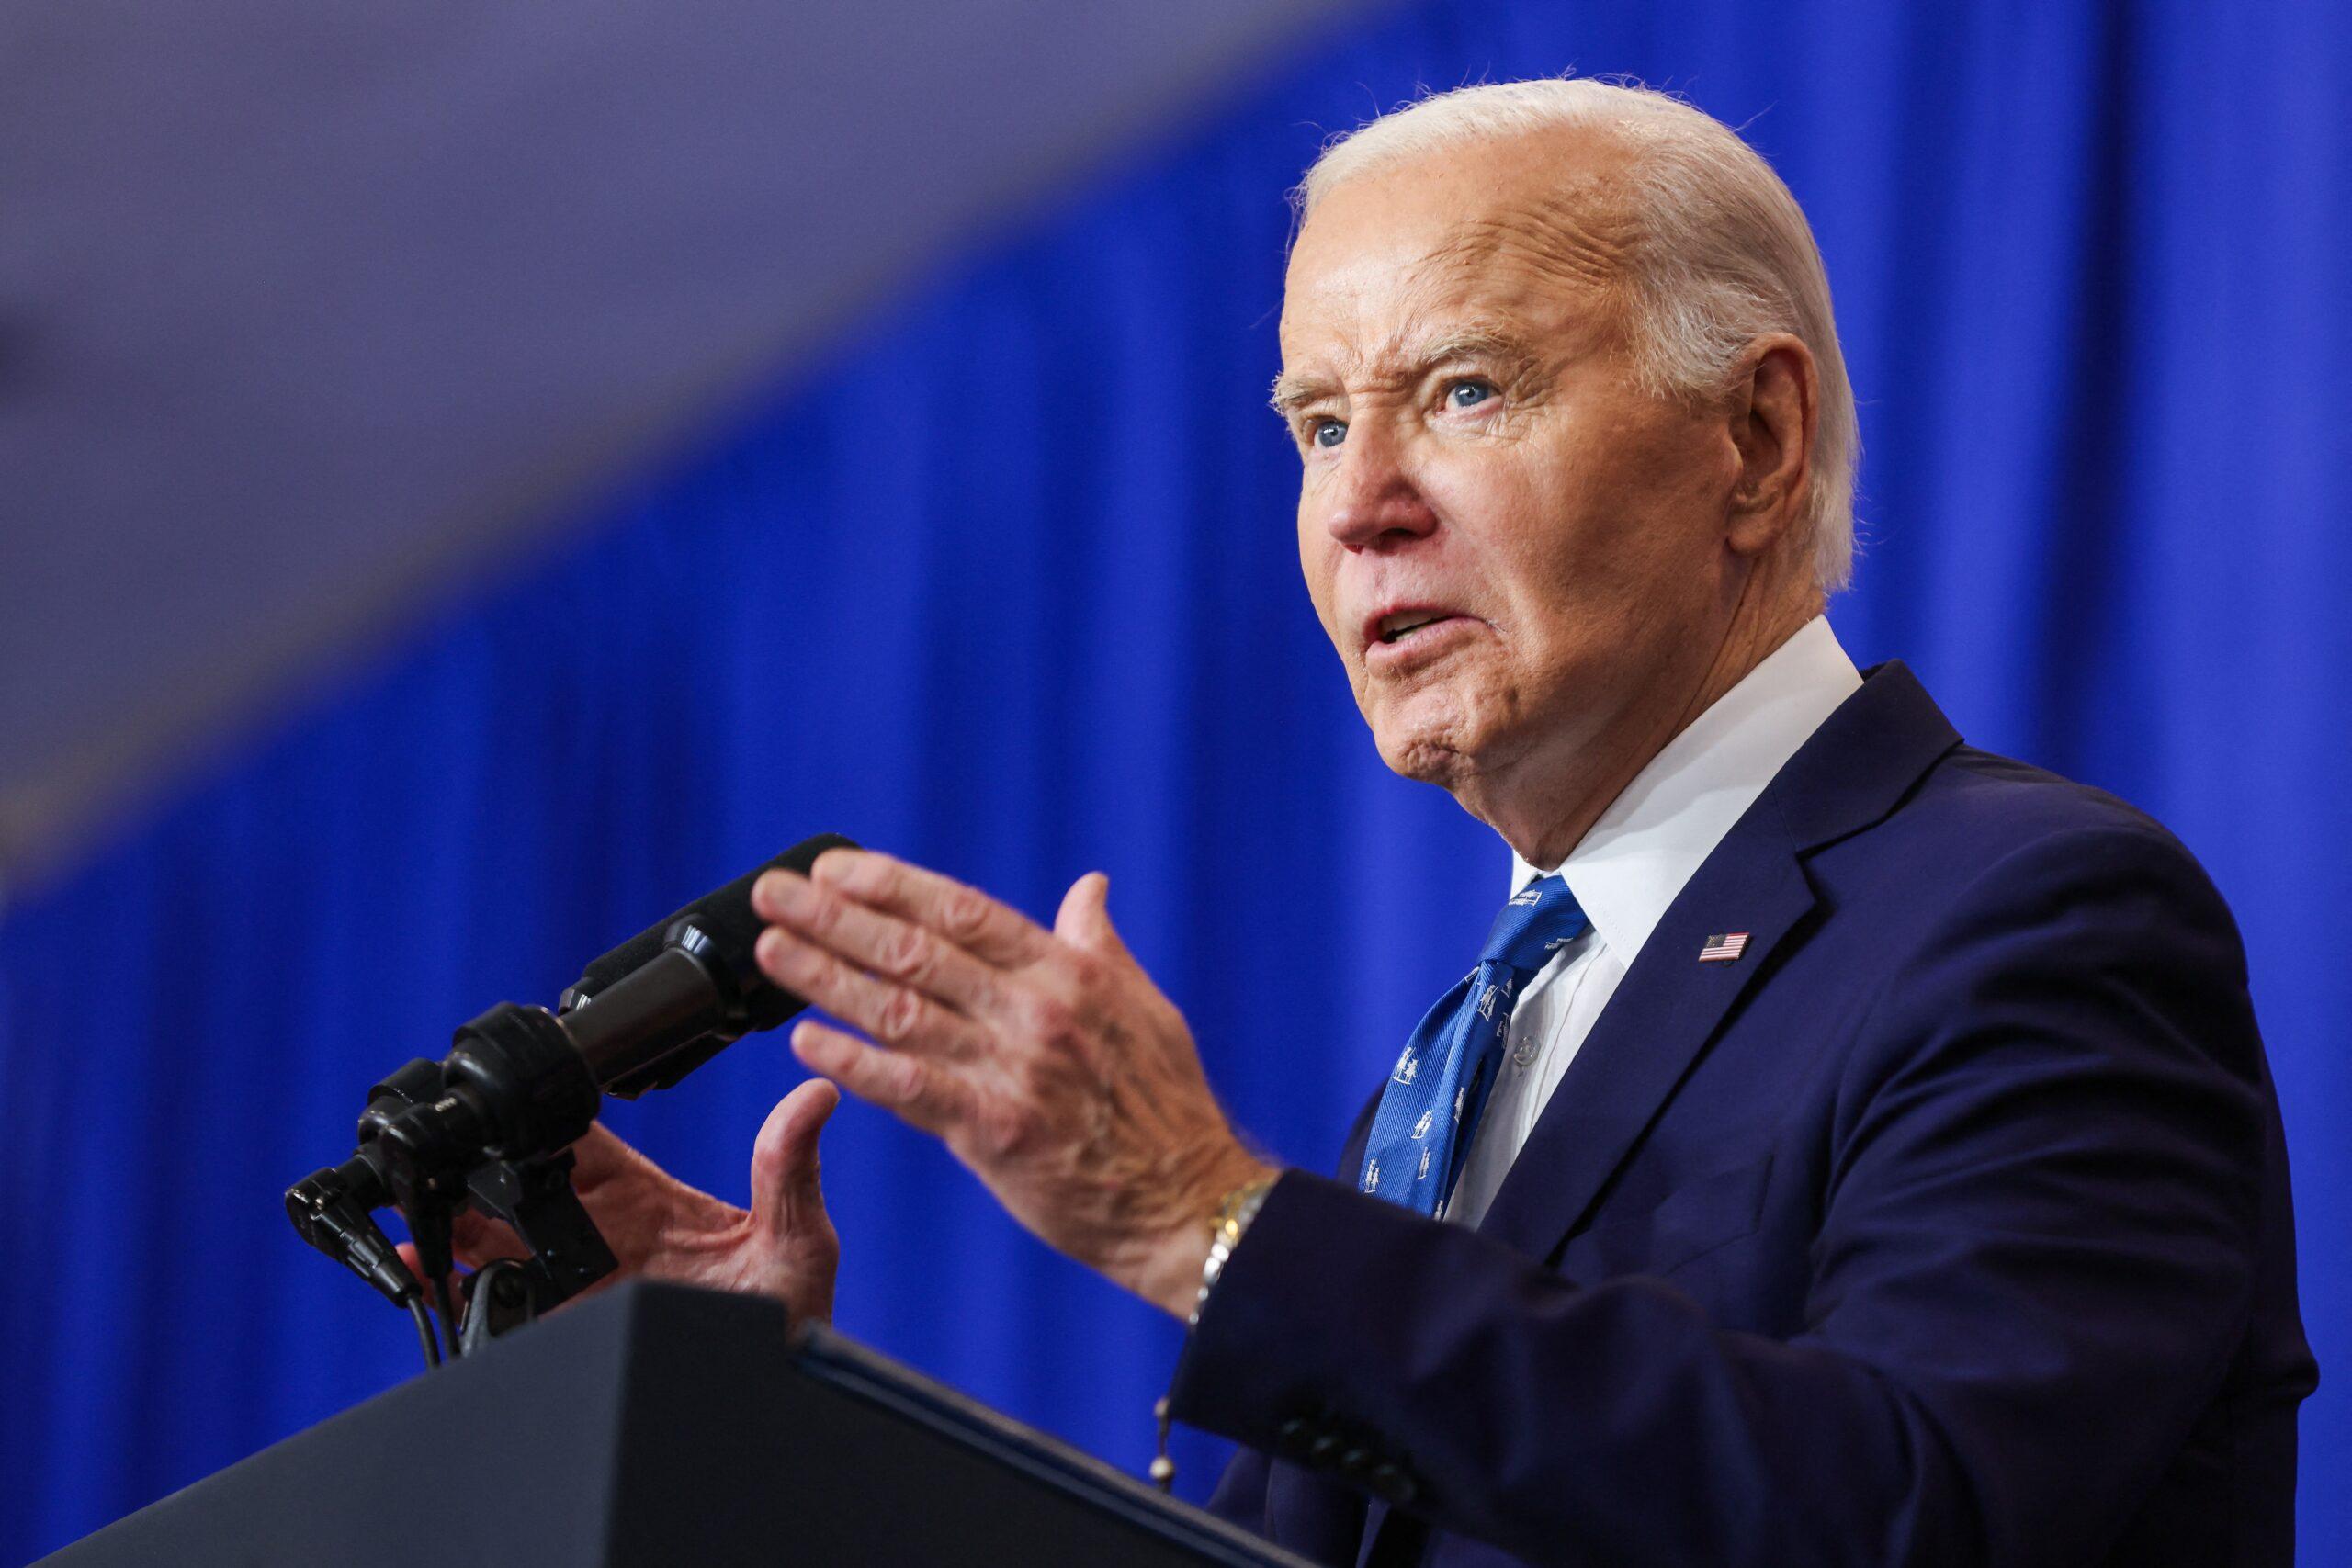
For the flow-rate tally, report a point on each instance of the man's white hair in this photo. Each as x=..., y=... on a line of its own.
x=1721, y=252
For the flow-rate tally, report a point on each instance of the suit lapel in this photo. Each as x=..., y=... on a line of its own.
x=1851, y=773
x=1653, y=1029
x=1665, y=1012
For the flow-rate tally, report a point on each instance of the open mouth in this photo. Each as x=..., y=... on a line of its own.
x=1404, y=624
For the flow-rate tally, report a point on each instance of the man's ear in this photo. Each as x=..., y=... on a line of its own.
x=1772, y=409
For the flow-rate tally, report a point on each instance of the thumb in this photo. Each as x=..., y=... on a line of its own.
x=1085, y=916
x=785, y=1197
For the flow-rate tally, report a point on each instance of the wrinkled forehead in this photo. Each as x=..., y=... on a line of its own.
x=1536, y=236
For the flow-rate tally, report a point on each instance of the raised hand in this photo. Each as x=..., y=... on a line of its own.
x=1047, y=1061
x=659, y=1228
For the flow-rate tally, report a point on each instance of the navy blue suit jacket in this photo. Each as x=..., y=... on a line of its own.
x=1948, y=1224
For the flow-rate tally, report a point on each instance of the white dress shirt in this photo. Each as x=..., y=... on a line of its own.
x=1628, y=869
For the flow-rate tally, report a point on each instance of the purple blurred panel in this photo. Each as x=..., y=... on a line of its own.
x=306, y=309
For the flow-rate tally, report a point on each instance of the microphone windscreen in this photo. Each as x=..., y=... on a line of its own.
x=724, y=915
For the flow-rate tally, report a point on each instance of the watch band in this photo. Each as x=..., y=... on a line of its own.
x=1233, y=1217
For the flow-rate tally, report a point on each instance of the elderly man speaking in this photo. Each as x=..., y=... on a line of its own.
x=1845, y=1146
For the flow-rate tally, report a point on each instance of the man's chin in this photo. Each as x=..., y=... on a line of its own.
x=1437, y=737
x=1430, y=754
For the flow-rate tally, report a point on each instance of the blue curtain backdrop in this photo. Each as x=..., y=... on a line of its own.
x=1008, y=586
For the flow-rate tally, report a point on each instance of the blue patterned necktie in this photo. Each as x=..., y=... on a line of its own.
x=1429, y=1108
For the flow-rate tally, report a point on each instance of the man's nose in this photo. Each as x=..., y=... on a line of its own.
x=1374, y=501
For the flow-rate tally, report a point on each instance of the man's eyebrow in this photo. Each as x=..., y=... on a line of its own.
x=1496, y=345
x=1291, y=393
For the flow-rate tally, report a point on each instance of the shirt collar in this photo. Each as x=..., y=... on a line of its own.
x=1655, y=835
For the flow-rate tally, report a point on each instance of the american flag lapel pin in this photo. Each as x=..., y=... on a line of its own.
x=1724, y=947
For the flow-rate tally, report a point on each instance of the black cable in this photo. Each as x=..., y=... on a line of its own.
x=448, y=1316
x=424, y=1331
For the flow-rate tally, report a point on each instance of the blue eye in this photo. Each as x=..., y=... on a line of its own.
x=1468, y=394
x=1328, y=432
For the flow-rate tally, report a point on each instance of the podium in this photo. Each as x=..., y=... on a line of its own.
x=657, y=1426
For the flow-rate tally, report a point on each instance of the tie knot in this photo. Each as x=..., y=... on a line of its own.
x=1541, y=917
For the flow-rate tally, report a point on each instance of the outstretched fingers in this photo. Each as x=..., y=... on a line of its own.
x=965, y=917
x=895, y=1013
x=926, y=1093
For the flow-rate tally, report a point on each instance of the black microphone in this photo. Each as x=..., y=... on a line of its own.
x=521, y=1083
x=330, y=1207
x=682, y=990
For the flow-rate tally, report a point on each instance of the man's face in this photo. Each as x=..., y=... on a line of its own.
x=1511, y=544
